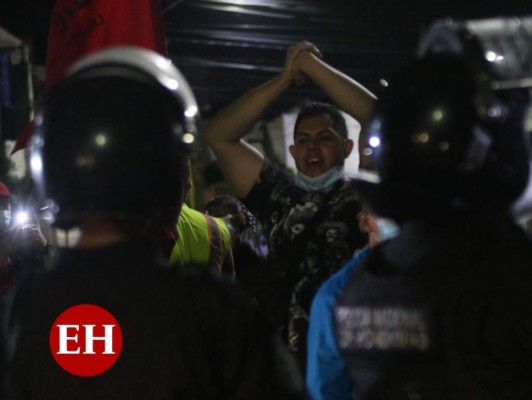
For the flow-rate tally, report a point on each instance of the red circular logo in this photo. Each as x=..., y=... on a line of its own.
x=86, y=340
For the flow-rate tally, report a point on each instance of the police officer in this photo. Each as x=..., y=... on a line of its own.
x=110, y=154
x=443, y=310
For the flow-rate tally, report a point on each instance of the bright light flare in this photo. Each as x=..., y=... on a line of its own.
x=36, y=164
x=374, y=141
x=171, y=83
x=188, y=138
x=100, y=140
x=492, y=56
x=22, y=217
x=191, y=111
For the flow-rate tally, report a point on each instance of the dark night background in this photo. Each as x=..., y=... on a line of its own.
x=225, y=48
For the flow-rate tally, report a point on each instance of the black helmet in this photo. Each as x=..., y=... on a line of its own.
x=450, y=130
x=498, y=51
x=112, y=139
x=439, y=141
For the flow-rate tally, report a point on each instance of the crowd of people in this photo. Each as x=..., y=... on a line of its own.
x=408, y=282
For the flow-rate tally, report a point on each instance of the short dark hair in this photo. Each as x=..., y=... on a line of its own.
x=312, y=109
x=231, y=205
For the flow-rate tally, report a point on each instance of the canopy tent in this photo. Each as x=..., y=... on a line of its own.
x=9, y=40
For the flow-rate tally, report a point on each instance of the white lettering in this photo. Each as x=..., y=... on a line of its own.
x=64, y=338
x=383, y=328
x=90, y=338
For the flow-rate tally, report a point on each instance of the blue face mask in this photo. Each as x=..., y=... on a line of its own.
x=387, y=229
x=323, y=182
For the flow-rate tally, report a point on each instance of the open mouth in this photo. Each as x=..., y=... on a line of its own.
x=314, y=165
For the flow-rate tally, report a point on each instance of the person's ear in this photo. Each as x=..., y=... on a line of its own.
x=348, y=147
x=291, y=149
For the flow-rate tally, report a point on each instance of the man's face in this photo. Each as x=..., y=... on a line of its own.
x=317, y=147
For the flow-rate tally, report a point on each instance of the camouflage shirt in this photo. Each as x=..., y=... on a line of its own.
x=310, y=236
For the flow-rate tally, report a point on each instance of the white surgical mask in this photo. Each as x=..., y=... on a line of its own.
x=323, y=182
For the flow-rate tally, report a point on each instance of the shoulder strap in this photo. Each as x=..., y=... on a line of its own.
x=215, y=241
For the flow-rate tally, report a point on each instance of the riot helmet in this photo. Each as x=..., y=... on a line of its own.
x=111, y=140
x=448, y=133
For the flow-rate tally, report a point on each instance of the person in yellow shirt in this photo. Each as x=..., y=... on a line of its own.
x=203, y=239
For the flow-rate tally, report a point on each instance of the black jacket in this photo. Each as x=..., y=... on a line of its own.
x=443, y=311
x=185, y=336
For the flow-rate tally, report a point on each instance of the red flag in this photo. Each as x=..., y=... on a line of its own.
x=79, y=27
x=4, y=191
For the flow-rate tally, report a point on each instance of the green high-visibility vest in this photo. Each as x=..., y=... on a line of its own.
x=201, y=239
